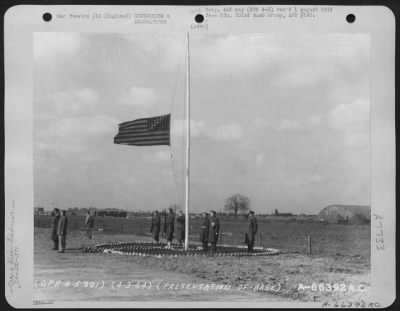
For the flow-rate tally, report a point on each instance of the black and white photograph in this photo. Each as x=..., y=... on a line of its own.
x=279, y=158
x=190, y=166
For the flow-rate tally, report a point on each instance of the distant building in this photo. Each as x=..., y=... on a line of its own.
x=276, y=213
x=111, y=213
x=38, y=210
x=351, y=214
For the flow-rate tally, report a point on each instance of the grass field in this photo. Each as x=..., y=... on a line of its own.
x=288, y=236
x=340, y=255
x=75, y=265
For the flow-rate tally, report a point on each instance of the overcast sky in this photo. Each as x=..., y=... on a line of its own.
x=282, y=119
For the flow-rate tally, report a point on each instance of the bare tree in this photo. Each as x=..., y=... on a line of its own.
x=237, y=203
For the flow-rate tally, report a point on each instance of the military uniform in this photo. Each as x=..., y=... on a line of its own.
x=251, y=233
x=89, y=223
x=169, y=227
x=54, y=228
x=155, y=227
x=62, y=232
x=180, y=228
x=205, y=227
x=214, y=232
x=164, y=224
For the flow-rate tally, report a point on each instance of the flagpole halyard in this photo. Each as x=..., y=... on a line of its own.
x=187, y=146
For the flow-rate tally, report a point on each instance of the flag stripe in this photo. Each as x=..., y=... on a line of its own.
x=144, y=125
x=141, y=141
x=142, y=137
x=134, y=127
x=165, y=137
x=128, y=140
x=137, y=120
x=138, y=131
x=147, y=137
x=145, y=143
x=143, y=134
x=134, y=122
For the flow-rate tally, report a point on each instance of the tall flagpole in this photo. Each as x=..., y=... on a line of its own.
x=187, y=146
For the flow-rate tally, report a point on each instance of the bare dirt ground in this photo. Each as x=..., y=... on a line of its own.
x=120, y=278
x=275, y=278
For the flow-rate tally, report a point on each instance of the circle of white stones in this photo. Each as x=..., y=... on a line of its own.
x=145, y=248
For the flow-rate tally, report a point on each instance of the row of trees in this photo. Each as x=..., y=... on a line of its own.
x=235, y=204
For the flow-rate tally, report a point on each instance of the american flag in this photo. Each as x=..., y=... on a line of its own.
x=145, y=132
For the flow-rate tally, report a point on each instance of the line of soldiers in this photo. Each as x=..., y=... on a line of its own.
x=59, y=230
x=169, y=227
x=209, y=230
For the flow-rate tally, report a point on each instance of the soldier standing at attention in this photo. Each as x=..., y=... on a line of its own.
x=62, y=231
x=205, y=227
x=155, y=226
x=54, y=227
x=169, y=227
x=89, y=223
x=214, y=231
x=180, y=228
x=164, y=222
x=251, y=231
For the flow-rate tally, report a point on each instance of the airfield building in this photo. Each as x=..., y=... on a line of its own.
x=351, y=214
x=111, y=213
